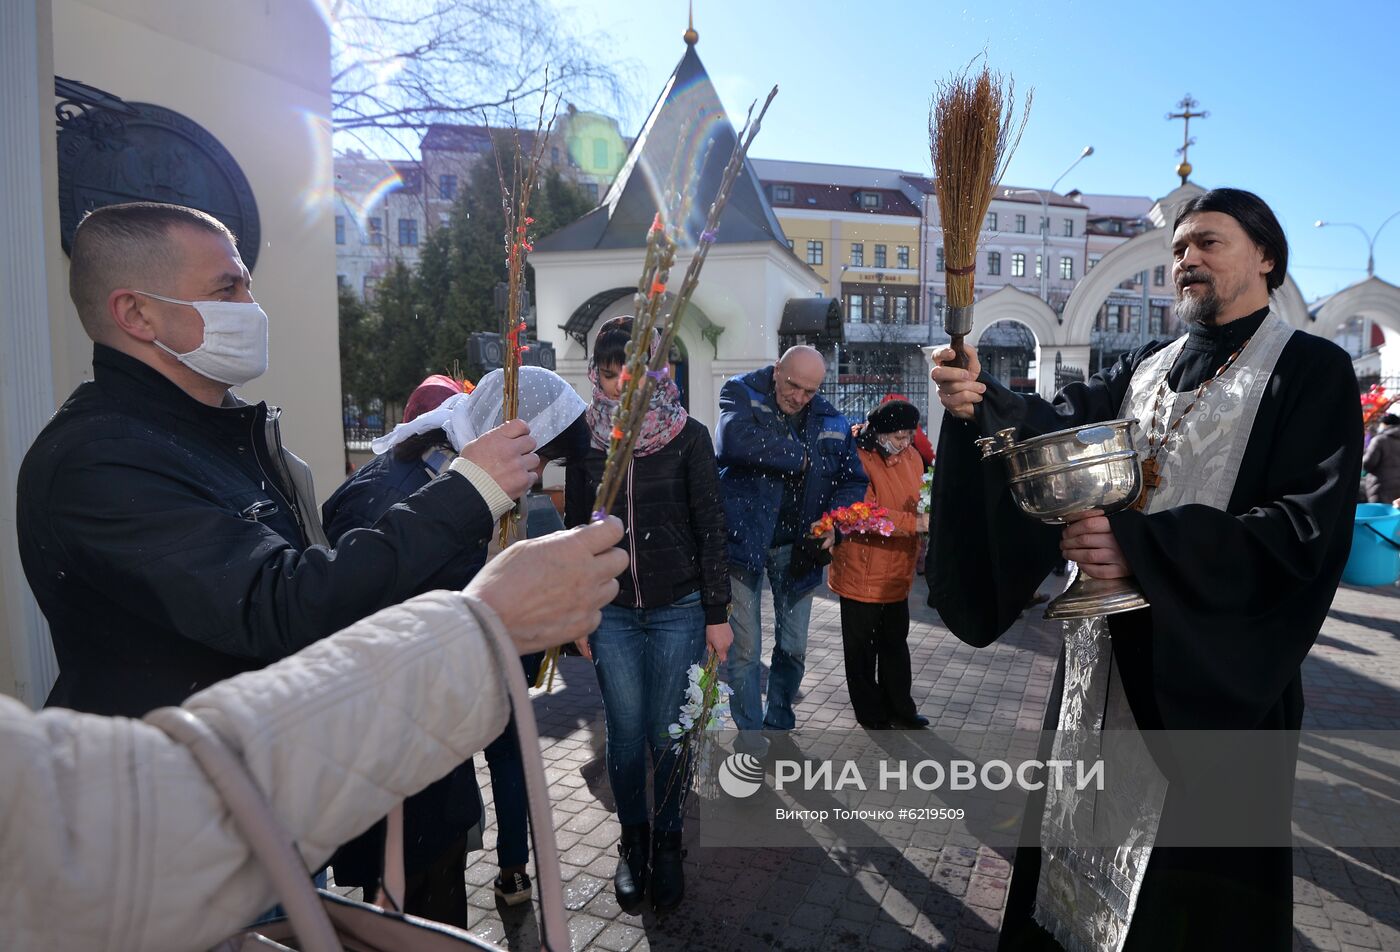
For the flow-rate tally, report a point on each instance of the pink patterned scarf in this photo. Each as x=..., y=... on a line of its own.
x=664, y=419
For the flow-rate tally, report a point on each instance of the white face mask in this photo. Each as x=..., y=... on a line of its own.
x=234, y=350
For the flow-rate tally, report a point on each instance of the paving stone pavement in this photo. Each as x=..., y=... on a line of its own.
x=945, y=898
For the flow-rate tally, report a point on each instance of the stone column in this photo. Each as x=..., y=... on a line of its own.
x=28, y=180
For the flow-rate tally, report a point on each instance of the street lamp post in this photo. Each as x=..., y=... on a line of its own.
x=1370, y=238
x=1043, y=194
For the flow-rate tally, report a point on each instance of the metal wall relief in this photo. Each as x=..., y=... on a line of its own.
x=112, y=151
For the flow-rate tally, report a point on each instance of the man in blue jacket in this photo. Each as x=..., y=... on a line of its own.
x=786, y=457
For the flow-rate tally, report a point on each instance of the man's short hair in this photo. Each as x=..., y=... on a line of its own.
x=1391, y=419
x=1254, y=216
x=126, y=246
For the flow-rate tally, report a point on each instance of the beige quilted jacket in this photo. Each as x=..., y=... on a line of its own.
x=111, y=838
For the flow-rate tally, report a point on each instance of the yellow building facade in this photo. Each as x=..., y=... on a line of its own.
x=863, y=241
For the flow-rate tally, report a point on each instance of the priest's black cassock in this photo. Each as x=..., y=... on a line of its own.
x=1237, y=599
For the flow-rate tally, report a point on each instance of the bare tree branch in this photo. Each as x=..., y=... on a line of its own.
x=404, y=64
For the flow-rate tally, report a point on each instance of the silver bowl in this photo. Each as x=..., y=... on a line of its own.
x=1072, y=471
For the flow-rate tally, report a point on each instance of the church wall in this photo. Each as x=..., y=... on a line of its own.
x=257, y=77
x=252, y=77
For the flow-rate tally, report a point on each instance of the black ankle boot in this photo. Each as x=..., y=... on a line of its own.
x=667, y=873
x=630, y=880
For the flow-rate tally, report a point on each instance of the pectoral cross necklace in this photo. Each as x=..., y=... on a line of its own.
x=1151, y=470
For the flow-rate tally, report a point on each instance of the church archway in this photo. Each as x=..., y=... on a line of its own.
x=1013, y=330
x=1374, y=300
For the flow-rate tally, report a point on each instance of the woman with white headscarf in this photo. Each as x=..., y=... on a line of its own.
x=438, y=422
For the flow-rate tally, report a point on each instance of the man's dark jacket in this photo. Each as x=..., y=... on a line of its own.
x=162, y=542
x=757, y=449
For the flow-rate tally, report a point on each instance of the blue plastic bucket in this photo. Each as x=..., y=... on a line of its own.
x=1375, y=550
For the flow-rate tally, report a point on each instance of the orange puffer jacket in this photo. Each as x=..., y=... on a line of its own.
x=875, y=568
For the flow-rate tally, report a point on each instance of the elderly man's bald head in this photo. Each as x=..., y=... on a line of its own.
x=797, y=376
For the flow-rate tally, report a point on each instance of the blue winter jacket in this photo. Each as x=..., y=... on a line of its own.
x=756, y=448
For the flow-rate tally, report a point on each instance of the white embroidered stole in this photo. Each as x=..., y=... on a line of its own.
x=1087, y=893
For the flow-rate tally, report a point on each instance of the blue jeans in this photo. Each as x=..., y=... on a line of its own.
x=641, y=656
x=508, y=786
x=789, y=645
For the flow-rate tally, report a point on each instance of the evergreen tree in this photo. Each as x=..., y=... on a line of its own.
x=402, y=336
x=419, y=322
x=359, y=372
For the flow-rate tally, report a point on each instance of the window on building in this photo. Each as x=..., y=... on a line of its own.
x=1044, y=225
x=994, y=262
x=814, y=252
x=855, y=308
x=858, y=254
x=444, y=219
x=1018, y=265
x=938, y=261
x=340, y=229
x=869, y=199
x=901, y=256
x=342, y=281
x=1159, y=319
x=1021, y=224
x=782, y=193
x=447, y=187
x=408, y=232
x=591, y=190
x=1159, y=275
x=1093, y=260
x=991, y=221
x=1037, y=266
x=1069, y=227
x=367, y=287
x=600, y=153
x=901, y=310
x=880, y=256
x=1067, y=269
x=554, y=155
x=376, y=230
x=877, y=309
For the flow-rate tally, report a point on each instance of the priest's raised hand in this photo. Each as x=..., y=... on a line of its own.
x=958, y=390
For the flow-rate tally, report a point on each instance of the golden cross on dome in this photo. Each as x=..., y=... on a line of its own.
x=1186, y=106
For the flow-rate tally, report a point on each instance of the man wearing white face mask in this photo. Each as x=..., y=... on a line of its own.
x=169, y=537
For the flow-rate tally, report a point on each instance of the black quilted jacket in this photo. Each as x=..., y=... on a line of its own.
x=674, y=520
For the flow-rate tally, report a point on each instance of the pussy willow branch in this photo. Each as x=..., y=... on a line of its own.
x=636, y=395
x=643, y=366
x=515, y=207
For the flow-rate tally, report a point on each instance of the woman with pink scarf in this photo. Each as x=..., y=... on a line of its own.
x=673, y=602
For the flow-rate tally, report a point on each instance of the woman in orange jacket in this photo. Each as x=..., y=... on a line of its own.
x=873, y=574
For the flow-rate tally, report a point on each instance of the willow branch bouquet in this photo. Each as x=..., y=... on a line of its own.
x=702, y=713
x=646, y=366
x=516, y=191
x=972, y=135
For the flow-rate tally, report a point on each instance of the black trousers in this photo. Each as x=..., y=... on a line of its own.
x=439, y=891
x=875, y=639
